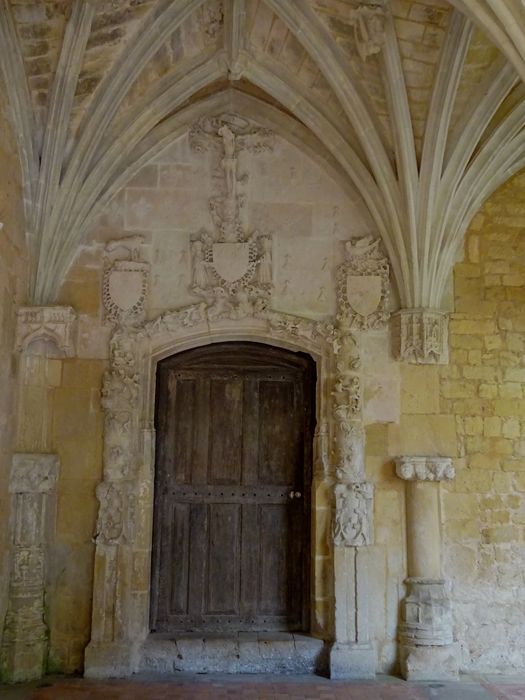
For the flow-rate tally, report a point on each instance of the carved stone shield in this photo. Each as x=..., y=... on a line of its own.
x=125, y=289
x=231, y=260
x=364, y=293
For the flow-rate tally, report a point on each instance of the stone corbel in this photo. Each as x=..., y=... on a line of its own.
x=427, y=648
x=420, y=336
x=24, y=648
x=55, y=324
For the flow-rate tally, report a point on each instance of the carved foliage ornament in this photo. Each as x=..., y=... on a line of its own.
x=33, y=473
x=363, y=285
x=126, y=280
x=116, y=516
x=55, y=324
x=352, y=525
x=425, y=468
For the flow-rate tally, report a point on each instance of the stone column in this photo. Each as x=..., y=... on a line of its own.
x=23, y=654
x=352, y=654
x=44, y=334
x=427, y=648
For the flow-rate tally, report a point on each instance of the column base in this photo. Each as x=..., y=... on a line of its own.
x=352, y=661
x=22, y=661
x=111, y=659
x=429, y=663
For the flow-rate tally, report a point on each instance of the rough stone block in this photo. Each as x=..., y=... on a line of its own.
x=429, y=663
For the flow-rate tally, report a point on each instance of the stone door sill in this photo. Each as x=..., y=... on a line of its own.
x=237, y=652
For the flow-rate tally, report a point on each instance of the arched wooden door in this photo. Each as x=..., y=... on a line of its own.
x=231, y=544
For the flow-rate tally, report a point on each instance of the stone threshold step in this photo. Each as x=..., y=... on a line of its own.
x=241, y=652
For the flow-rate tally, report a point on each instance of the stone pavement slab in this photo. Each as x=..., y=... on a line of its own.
x=267, y=687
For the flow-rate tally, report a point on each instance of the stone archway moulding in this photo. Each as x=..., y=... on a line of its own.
x=232, y=275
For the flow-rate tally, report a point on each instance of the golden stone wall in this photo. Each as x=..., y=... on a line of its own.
x=484, y=388
x=13, y=278
x=473, y=409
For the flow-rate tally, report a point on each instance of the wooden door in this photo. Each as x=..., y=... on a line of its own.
x=231, y=538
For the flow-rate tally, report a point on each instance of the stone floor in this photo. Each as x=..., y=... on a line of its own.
x=216, y=687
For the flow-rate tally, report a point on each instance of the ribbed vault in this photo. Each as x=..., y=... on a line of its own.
x=410, y=103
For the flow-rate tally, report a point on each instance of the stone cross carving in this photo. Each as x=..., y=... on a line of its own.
x=231, y=266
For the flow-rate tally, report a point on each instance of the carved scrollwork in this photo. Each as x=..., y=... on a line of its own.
x=425, y=468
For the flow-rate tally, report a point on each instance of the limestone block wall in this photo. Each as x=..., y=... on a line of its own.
x=484, y=388
x=470, y=410
x=13, y=292
x=309, y=215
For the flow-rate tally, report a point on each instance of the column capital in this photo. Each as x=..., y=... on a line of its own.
x=420, y=336
x=50, y=324
x=421, y=468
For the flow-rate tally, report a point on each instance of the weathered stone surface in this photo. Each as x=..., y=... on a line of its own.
x=244, y=652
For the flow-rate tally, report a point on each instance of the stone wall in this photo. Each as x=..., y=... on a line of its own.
x=13, y=278
x=408, y=409
x=484, y=388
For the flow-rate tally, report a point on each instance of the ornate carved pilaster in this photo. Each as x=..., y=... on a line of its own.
x=25, y=640
x=420, y=336
x=427, y=649
x=55, y=324
x=362, y=295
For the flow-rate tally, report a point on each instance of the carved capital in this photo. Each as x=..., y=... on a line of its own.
x=425, y=468
x=352, y=525
x=420, y=336
x=426, y=614
x=33, y=473
x=51, y=324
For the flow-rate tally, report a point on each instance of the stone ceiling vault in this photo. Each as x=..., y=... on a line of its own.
x=418, y=103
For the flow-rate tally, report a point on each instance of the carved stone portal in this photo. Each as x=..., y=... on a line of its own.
x=23, y=653
x=363, y=285
x=231, y=266
x=420, y=336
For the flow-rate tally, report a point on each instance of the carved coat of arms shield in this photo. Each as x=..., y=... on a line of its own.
x=125, y=288
x=364, y=293
x=231, y=260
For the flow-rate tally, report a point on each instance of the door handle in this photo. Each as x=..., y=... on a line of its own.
x=295, y=494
